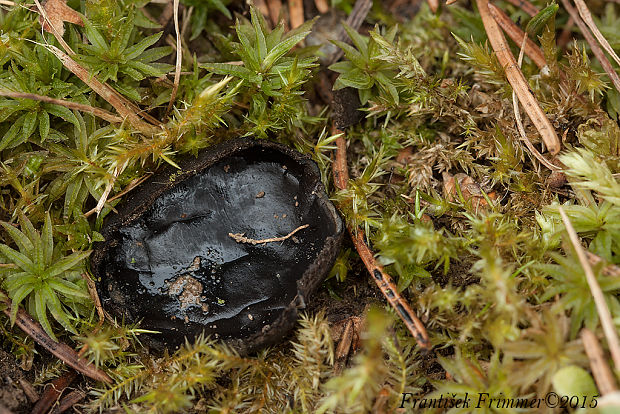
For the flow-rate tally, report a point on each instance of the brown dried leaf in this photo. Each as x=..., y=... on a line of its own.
x=470, y=190
x=57, y=13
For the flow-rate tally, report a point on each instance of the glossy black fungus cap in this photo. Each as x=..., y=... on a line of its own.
x=178, y=255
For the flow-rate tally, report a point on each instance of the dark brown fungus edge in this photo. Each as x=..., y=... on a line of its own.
x=137, y=203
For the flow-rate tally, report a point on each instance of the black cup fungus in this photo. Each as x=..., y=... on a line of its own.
x=188, y=251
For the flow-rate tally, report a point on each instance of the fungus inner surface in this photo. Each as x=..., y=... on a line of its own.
x=177, y=268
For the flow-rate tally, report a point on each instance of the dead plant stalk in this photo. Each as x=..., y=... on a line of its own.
x=517, y=112
x=526, y=6
x=101, y=113
x=517, y=80
x=584, y=12
x=179, y=59
x=516, y=34
x=600, y=370
x=599, y=299
x=58, y=349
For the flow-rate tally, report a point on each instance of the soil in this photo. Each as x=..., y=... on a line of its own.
x=12, y=397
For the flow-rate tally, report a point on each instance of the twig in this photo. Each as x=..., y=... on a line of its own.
x=53, y=391
x=262, y=7
x=516, y=34
x=69, y=401
x=526, y=6
x=531, y=49
x=600, y=370
x=177, y=70
x=101, y=113
x=296, y=13
x=584, y=12
x=599, y=299
x=357, y=16
x=166, y=14
x=240, y=238
x=382, y=279
x=388, y=288
x=122, y=105
x=58, y=349
x=341, y=170
x=598, y=52
x=517, y=80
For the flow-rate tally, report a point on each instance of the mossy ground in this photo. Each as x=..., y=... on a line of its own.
x=454, y=203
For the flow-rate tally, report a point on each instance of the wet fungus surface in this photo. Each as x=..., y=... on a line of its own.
x=232, y=245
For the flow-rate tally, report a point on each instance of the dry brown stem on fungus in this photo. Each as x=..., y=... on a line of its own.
x=240, y=237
